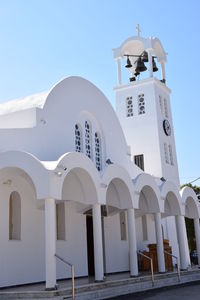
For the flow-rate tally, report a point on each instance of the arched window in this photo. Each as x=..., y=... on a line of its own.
x=88, y=139
x=166, y=108
x=78, y=138
x=60, y=221
x=98, y=151
x=166, y=153
x=129, y=107
x=141, y=104
x=171, y=155
x=14, y=216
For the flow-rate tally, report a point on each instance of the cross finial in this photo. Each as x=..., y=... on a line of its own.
x=138, y=29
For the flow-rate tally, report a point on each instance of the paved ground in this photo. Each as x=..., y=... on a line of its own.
x=187, y=292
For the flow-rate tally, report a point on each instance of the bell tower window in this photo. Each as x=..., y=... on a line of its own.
x=171, y=155
x=166, y=153
x=161, y=105
x=98, y=151
x=166, y=108
x=88, y=139
x=78, y=138
x=141, y=104
x=129, y=107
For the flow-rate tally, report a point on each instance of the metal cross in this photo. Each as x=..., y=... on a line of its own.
x=138, y=29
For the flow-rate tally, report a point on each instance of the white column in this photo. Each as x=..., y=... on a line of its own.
x=197, y=236
x=119, y=75
x=150, y=63
x=132, y=242
x=159, y=239
x=50, y=243
x=98, y=245
x=163, y=70
x=180, y=227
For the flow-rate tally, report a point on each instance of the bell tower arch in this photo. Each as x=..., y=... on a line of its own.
x=143, y=106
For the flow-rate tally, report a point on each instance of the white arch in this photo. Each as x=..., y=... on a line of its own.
x=25, y=163
x=172, y=199
x=117, y=175
x=81, y=166
x=145, y=183
x=190, y=200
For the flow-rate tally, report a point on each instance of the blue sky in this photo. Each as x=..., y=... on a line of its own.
x=43, y=41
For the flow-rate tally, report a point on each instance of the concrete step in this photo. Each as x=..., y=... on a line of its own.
x=107, y=289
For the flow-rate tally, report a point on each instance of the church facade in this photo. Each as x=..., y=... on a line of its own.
x=91, y=184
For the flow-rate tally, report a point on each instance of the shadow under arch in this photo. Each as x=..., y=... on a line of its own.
x=8, y=175
x=190, y=200
x=27, y=166
x=147, y=195
x=172, y=200
x=78, y=186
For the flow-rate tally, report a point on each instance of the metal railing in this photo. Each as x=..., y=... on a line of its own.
x=177, y=263
x=151, y=264
x=72, y=270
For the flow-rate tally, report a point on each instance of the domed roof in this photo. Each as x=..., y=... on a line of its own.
x=136, y=45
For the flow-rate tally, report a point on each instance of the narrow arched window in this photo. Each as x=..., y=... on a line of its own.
x=171, y=155
x=98, y=151
x=129, y=107
x=166, y=108
x=88, y=139
x=60, y=221
x=14, y=216
x=141, y=104
x=78, y=138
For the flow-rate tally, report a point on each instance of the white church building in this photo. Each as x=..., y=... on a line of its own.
x=89, y=183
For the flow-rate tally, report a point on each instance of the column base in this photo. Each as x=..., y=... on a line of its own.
x=99, y=281
x=52, y=289
x=134, y=276
x=163, y=272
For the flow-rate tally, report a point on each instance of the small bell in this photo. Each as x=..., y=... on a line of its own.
x=128, y=63
x=155, y=68
x=145, y=56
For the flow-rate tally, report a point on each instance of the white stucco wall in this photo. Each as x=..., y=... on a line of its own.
x=74, y=248
x=116, y=250
x=22, y=261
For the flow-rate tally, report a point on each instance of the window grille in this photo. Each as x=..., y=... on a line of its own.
x=139, y=161
x=98, y=151
x=78, y=138
x=166, y=108
x=88, y=140
x=141, y=104
x=129, y=107
x=171, y=155
x=166, y=153
x=161, y=105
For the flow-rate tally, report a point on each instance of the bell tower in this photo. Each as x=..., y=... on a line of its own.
x=143, y=106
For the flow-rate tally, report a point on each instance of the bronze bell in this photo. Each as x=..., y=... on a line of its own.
x=128, y=63
x=140, y=66
x=145, y=56
x=155, y=68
